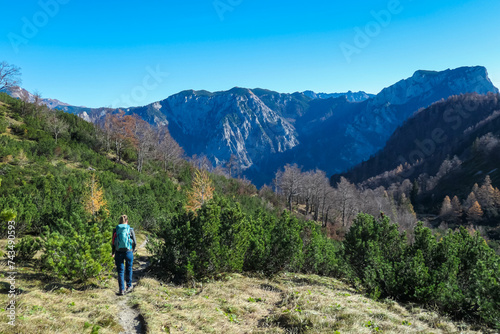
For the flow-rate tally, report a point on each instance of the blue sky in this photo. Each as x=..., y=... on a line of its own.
x=121, y=53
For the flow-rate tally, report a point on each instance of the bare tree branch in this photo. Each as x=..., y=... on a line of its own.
x=9, y=75
x=56, y=125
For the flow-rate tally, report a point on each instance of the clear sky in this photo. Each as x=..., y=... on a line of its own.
x=121, y=53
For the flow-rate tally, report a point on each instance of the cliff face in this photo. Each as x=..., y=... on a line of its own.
x=236, y=122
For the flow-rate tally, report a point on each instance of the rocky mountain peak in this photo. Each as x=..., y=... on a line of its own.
x=426, y=84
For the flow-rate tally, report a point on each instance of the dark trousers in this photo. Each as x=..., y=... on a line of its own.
x=128, y=258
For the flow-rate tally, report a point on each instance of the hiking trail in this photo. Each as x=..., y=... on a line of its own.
x=129, y=318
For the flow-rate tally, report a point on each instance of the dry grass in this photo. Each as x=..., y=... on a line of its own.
x=46, y=305
x=57, y=307
x=288, y=303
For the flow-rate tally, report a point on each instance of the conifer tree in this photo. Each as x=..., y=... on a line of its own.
x=456, y=209
x=446, y=208
x=486, y=198
x=93, y=198
x=496, y=198
x=201, y=192
x=471, y=199
x=475, y=213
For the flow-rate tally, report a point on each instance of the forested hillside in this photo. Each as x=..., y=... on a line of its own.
x=446, y=154
x=65, y=181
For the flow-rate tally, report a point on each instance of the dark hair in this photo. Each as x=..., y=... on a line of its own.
x=123, y=219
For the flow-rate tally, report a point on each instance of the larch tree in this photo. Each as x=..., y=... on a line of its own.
x=496, y=198
x=486, y=198
x=93, y=198
x=446, y=208
x=202, y=191
x=475, y=189
x=475, y=213
x=471, y=199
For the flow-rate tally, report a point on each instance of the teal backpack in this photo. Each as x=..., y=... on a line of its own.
x=123, y=237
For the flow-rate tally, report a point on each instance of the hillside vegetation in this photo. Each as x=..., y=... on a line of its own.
x=65, y=182
x=235, y=303
x=456, y=139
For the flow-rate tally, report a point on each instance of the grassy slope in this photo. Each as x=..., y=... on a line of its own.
x=237, y=303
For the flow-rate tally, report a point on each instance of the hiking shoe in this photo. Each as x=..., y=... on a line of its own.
x=129, y=289
x=121, y=293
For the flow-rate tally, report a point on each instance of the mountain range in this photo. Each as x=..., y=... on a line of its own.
x=351, y=96
x=265, y=130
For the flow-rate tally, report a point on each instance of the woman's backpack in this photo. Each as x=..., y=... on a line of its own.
x=123, y=238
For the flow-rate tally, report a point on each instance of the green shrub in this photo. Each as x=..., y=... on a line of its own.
x=81, y=250
x=319, y=252
x=45, y=147
x=6, y=215
x=460, y=273
x=26, y=249
x=3, y=124
x=286, y=245
x=374, y=251
x=234, y=240
x=203, y=244
x=259, y=243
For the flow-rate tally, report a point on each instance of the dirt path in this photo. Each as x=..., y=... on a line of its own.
x=129, y=318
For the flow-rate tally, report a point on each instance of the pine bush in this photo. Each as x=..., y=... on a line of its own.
x=79, y=250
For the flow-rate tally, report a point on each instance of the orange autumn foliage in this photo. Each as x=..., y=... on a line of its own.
x=93, y=199
x=201, y=192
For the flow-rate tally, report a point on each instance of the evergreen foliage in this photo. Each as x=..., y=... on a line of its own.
x=374, y=251
x=220, y=237
x=204, y=244
x=79, y=250
x=460, y=273
x=26, y=249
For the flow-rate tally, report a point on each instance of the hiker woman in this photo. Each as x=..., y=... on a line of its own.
x=123, y=245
